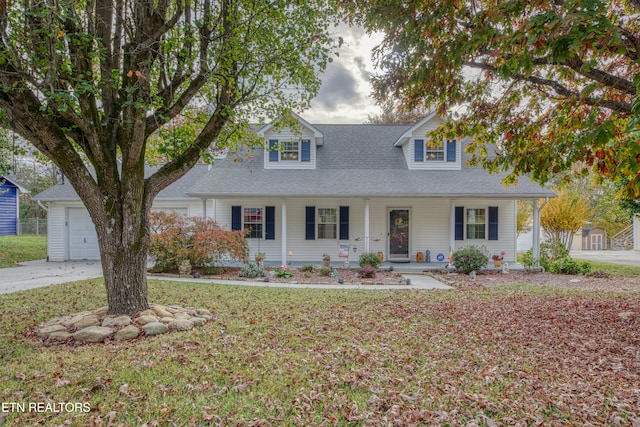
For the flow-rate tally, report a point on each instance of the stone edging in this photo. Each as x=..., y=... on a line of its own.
x=97, y=326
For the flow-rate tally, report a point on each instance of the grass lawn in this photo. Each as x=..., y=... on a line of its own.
x=498, y=356
x=16, y=249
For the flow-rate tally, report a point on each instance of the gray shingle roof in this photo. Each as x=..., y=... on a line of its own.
x=176, y=191
x=357, y=161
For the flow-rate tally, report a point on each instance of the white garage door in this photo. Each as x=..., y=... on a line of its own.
x=83, y=241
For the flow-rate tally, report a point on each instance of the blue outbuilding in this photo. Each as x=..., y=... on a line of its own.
x=9, y=205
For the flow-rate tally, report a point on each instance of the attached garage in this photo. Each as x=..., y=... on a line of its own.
x=71, y=235
x=83, y=240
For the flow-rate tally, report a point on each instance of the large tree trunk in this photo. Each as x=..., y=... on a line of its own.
x=122, y=227
x=125, y=275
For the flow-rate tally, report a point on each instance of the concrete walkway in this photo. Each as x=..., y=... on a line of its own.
x=36, y=274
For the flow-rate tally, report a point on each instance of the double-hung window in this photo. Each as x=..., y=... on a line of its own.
x=434, y=151
x=476, y=223
x=290, y=151
x=327, y=223
x=252, y=220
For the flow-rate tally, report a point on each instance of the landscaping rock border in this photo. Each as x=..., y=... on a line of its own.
x=98, y=326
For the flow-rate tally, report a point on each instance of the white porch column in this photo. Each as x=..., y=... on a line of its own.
x=366, y=226
x=283, y=232
x=204, y=208
x=452, y=228
x=535, y=241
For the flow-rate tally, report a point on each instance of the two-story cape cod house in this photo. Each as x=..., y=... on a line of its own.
x=364, y=188
x=336, y=189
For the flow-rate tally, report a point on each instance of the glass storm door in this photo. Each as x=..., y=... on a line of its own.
x=398, y=235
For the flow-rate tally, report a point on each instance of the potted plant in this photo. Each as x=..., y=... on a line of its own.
x=497, y=259
x=327, y=259
x=259, y=257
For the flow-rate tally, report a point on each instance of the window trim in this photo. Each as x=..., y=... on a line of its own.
x=441, y=151
x=277, y=151
x=467, y=223
x=336, y=223
x=246, y=225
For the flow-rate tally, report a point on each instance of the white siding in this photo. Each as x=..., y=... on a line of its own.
x=430, y=227
x=188, y=208
x=56, y=232
x=58, y=228
x=284, y=135
x=421, y=133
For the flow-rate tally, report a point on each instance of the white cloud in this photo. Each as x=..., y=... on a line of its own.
x=344, y=96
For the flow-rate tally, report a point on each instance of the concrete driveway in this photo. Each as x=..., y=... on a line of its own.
x=615, y=257
x=36, y=274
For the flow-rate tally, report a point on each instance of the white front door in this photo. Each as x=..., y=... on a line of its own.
x=83, y=240
x=399, y=235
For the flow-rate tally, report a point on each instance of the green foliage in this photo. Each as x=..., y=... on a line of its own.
x=201, y=241
x=367, y=272
x=564, y=216
x=324, y=271
x=307, y=268
x=101, y=87
x=252, y=270
x=568, y=265
x=369, y=258
x=470, y=258
x=283, y=271
x=16, y=249
x=552, y=85
x=549, y=252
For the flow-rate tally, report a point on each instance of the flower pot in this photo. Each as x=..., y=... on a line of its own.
x=419, y=257
x=381, y=256
x=497, y=263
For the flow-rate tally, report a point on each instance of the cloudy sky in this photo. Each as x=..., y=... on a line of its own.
x=345, y=93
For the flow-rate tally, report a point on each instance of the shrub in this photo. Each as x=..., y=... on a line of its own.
x=567, y=265
x=252, y=270
x=324, y=271
x=175, y=238
x=549, y=252
x=470, y=258
x=307, y=268
x=283, y=271
x=367, y=272
x=369, y=258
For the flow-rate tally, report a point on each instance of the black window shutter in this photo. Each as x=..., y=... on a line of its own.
x=344, y=222
x=236, y=218
x=419, y=150
x=493, y=223
x=306, y=150
x=451, y=151
x=270, y=222
x=273, y=152
x=459, y=223
x=310, y=233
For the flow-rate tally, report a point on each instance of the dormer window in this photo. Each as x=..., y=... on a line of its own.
x=434, y=151
x=290, y=151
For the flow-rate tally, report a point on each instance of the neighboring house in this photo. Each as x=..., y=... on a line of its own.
x=9, y=205
x=333, y=189
x=70, y=231
x=365, y=188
